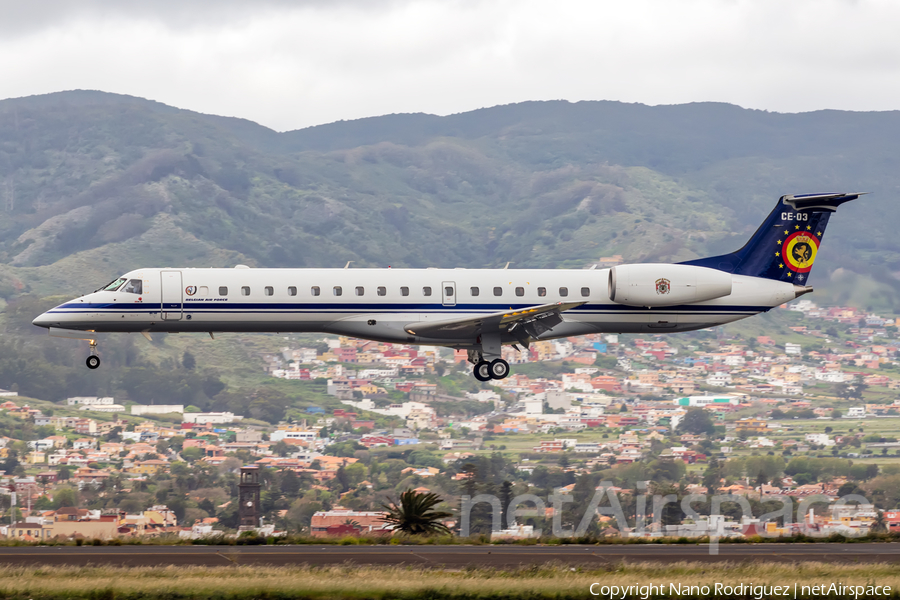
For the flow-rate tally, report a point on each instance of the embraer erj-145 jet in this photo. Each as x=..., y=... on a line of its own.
x=478, y=310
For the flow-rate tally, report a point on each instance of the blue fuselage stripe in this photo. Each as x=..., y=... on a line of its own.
x=307, y=308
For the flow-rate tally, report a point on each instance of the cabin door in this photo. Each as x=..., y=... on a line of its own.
x=449, y=293
x=172, y=298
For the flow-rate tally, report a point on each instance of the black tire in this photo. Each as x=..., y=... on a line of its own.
x=92, y=362
x=482, y=371
x=499, y=369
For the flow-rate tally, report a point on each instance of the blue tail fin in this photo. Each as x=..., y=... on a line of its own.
x=785, y=245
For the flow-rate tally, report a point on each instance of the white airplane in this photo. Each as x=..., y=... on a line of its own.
x=478, y=310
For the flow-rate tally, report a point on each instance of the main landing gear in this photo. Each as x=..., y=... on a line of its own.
x=93, y=361
x=496, y=369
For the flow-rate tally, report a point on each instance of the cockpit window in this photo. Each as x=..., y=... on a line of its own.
x=135, y=286
x=112, y=286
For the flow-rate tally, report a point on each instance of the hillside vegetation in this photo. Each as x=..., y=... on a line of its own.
x=93, y=184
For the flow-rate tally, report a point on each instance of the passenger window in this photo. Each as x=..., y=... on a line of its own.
x=474, y=291
x=542, y=292
x=585, y=292
x=204, y=291
x=269, y=290
x=520, y=291
x=223, y=291
x=338, y=291
x=563, y=292
x=360, y=290
x=245, y=290
x=426, y=291
x=404, y=291
x=381, y=290
x=292, y=291
x=448, y=291
x=133, y=287
x=314, y=290
x=498, y=291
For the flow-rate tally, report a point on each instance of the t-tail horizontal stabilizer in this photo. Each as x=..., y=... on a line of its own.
x=785, y=246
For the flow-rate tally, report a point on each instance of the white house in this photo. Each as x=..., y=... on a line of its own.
x=719, y=379
x=819, y=438
x=156, y=409
x=88, y=400
x=212, y=417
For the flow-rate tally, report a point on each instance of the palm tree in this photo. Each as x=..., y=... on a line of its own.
x=415, y=514
x=878, y=525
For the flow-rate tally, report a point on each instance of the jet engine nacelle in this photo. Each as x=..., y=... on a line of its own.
x=655, y=285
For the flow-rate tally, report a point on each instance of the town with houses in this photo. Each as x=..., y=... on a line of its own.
x=810, y=413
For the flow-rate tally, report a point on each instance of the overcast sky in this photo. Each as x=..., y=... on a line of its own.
x=291, y=64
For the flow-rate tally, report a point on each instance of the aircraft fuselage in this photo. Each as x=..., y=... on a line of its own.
x=380, y=304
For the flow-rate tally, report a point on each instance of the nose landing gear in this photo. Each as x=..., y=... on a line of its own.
x=93, y=361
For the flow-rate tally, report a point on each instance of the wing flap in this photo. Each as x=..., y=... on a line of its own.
x=541, y=318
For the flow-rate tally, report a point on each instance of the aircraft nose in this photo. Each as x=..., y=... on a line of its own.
x=44, y=320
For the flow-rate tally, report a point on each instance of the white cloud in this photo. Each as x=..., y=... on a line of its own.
x=289, y=65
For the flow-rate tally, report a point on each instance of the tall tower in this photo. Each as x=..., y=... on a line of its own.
x=248, y=495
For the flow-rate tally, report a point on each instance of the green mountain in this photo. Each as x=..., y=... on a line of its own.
x=94, y=184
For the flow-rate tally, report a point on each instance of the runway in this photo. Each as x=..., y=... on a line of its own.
x=439, y=556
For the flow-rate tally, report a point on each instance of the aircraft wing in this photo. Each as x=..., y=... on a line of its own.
x=525, y=323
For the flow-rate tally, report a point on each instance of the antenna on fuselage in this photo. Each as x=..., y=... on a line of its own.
x=347, y=266
x=507, y=265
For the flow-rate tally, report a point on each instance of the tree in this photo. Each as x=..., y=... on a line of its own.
x=415, y=514
x=290, y=484
x=282, y=448
x=192, y=454
x=878, y=525
x=506, y=496
x=207, y=505
x=471, y=472
x=696, y=421
x=65, y=497
x=712, y=476
x=761, y=478
x=188, y=361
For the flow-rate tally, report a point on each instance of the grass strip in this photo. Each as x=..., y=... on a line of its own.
x=414, y=583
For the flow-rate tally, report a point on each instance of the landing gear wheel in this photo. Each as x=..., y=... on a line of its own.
x=499, y=369
x=92, y=361
x=482, y=371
